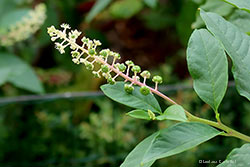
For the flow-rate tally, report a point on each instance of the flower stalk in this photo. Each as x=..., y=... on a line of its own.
x=88, y=49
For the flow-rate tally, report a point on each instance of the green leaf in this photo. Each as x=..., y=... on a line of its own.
x=207, y=64
x=139, y=114
x=97, y=8
x=125, y=9
x=151, y=3
x=241, y=4
x=178, y=138
x=135, y=100
x=237, y=45
x=216, y=6
x=238, y=157
x=4, y=73
x=18, y=73
x=135, y=157
x=241, y=19
x=174, y=112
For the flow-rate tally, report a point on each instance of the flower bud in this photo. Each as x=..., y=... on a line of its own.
x=151, y=115
x=144, y=90
x=128, y=88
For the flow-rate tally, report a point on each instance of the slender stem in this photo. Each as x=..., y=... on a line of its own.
x=229, y=131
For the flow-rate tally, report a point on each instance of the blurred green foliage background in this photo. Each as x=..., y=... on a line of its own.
x=91, y=131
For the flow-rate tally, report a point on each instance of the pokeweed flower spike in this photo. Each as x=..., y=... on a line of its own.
x=87, y=54
x=25, y=27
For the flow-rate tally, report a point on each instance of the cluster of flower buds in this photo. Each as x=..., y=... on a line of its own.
x=27, y=26
x=87, y=54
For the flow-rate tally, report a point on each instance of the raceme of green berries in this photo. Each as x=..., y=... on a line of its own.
x=87, y=54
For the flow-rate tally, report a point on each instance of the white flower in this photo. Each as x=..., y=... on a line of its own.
x=65, y=26
x=60, y=47
x=73, y=35
x=76, y=61
x=27, y=26
x=97, y=42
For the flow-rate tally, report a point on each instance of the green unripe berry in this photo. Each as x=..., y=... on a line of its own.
x=76, y=61
x=122, y=67
x=104, y=53
x=157, y=79
x=128, y=88
x=144, y=90
x=136, y=69
x=129, y=63
x=85, y=40
x=75, y=53
x=91, y=52
x=89, y=66
x=145, y=74
x=96, y=74
x=104, y=68
x=106, y=75
x=111, y=81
